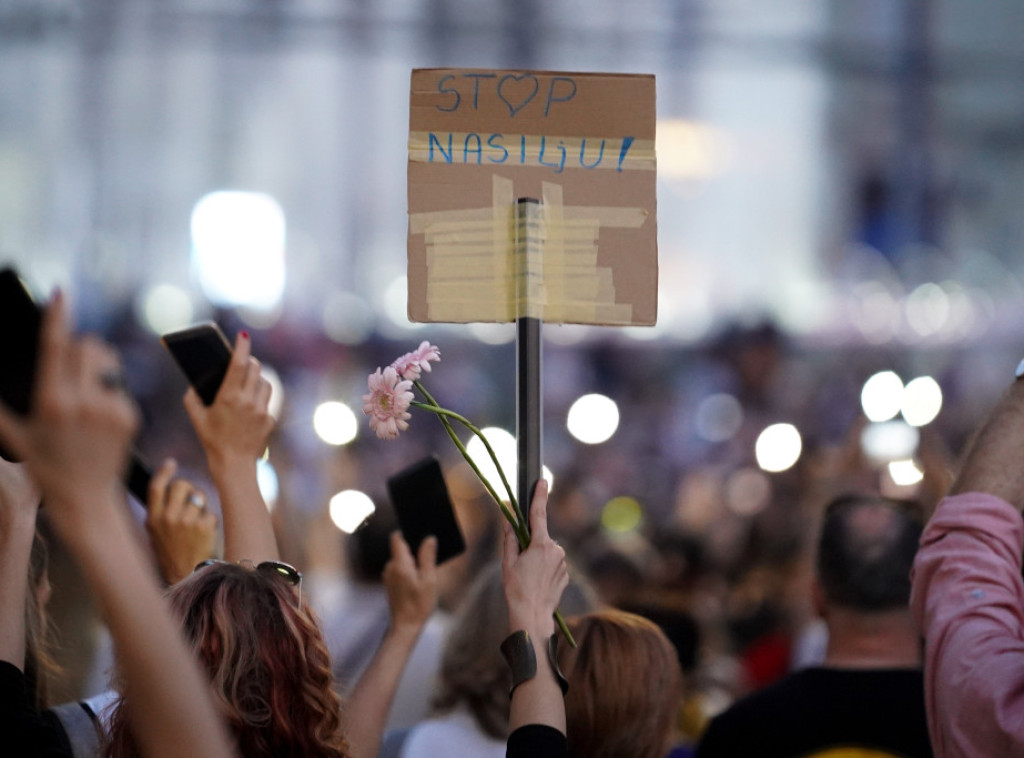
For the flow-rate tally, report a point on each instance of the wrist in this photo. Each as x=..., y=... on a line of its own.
x=528, y=657
x=404, y=633
x=225, y=462
x=539, y=624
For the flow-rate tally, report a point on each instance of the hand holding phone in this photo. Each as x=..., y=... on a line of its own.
x=203, y=354
x=420, y=498
x=19, y=350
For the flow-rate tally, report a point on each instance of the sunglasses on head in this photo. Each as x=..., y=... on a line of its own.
x=279, y=569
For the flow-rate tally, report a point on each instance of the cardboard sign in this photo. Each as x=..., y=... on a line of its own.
x=582, y=145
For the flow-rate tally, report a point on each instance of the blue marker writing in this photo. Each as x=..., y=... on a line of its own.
x=433, y=140
x=476, y=85
x=478, y=150
x=495, y=141
x=448, y=91
x=626, y=142
x=566, y=97
x=583, y=150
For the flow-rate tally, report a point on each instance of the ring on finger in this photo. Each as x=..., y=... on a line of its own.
x=197, y=499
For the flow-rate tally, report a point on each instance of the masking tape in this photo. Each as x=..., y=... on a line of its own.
x=475, y=274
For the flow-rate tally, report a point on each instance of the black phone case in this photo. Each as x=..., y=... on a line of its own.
x=203, y=354
x=421, y=502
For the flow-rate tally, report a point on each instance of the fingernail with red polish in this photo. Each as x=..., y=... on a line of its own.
x=245, y=335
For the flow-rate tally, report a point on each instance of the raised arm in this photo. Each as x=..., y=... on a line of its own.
x=968, y=595
x=234, y=433
x=992, y=463
x=75, y=444
x=534, y=581
x=412, y=596
x=180, y=528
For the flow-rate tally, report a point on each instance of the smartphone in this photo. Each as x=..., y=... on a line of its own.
x=421, y=502
x=19, y=348
x=19, y=342
x=203, y=354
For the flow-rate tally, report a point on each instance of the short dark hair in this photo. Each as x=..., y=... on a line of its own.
x=866, y=566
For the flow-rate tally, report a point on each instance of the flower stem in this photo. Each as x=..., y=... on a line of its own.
x=516, y=519
x=443, y=412
x=487, y=445
x=521, y=534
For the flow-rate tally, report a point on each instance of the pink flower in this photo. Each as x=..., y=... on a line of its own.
x=387, y=404
x=411, y=364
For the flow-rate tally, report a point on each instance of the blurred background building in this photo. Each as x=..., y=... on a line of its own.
x=840, y=186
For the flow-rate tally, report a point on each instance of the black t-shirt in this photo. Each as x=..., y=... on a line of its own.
x=816, y=711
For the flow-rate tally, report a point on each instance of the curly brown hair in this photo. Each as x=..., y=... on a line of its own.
x=269, y=669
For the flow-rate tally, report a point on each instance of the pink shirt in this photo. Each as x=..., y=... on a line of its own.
x=968, y=599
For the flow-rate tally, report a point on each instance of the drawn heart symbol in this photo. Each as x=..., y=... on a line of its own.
x=523, y=89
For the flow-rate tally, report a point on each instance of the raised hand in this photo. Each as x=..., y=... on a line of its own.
x=238, y=424
x=76, y=438
x=234, y=433
x=411, y=583
x=180, y=527
x=534, y=579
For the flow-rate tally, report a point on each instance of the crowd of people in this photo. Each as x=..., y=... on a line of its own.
x=870, y=623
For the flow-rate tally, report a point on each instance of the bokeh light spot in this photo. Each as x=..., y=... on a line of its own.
x=778, y=447
x=350, y=508
x=593, y=419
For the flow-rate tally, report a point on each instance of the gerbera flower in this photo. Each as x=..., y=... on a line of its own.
x=387, y=404
x=410, y=365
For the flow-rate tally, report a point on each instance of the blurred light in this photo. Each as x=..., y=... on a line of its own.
x=165, y=308
x=689, y=150
x=493, y=334
x=882, y=396
x=622, y=514
x=719, y=417
x=778, y=447
x=260, y=318
x=395, y=304
x=927, y=309
x=549, y=477
x=889, y=441
x=276, y=390
x=504, y=445
x=347, y=319
x=238, y=244
x=593, y=419
x=922, y=401
x=566, y=334
x=875, y=312
x=962, y=316
x=266, y=478
x=335, y=423
x=747, y=492
x=350, y=508
x=644, y=333
x=905, y=473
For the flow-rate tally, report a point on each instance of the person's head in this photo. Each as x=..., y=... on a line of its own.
x=865, y=552
x=473, y=673
x=625, y=687
x=269, y=669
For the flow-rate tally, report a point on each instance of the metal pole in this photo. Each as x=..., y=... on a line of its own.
x=529, y=250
